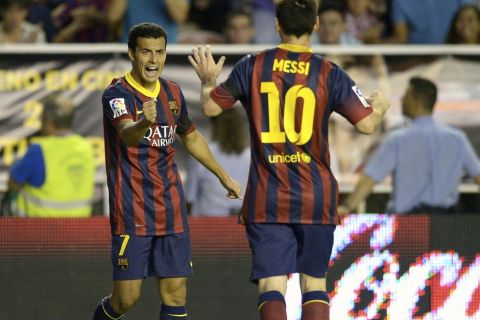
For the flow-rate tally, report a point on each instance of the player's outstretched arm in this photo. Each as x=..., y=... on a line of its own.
x=207, y=71
x=196, y=145
x=380, y=104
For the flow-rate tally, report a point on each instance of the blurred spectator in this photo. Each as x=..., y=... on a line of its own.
x=14, y=27
x=170, y=14
x=205, y=23
x=40, y=12
x=422, y=22
x=427, y=160
x=465, y=26
x=351, y=149
x=229, y=146
x=238, y=27
x=55, y=178
x=362, y=23
x=263, y=15
x=82, y=21
x=332, y=28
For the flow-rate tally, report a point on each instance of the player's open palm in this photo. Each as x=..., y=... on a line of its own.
x=149, y=109
x=204, y=64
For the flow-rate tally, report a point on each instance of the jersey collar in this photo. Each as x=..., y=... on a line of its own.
x=295, y=48
x=144, y=91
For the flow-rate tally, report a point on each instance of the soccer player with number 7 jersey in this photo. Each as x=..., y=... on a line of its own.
x=290, y=206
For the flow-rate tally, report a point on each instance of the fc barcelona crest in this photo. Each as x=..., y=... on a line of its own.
x=122, y=264
x=173, y=107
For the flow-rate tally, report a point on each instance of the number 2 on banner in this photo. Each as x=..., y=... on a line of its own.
x=275, y=135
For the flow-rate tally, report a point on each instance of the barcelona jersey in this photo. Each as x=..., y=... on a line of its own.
x=146, y=197
x=289, y=93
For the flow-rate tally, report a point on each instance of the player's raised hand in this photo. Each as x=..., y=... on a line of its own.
x=205, y=66
x=378, y=100
x=149, y=109
x=233, y=187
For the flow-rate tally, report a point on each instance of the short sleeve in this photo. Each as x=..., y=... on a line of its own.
x=382, y=161
x=237, y=85
x=345, y=97
x=117, y=105
x=31, y=168
x=185, y=125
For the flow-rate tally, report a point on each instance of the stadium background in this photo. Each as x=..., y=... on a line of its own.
x=57, y=269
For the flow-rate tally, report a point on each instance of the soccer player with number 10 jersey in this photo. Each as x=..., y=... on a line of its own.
x=290, y=206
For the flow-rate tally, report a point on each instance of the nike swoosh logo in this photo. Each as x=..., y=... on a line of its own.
x=139, y=111
x=139, y=225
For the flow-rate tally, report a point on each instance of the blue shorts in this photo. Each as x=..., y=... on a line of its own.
x=281, y=249
x=136, y=257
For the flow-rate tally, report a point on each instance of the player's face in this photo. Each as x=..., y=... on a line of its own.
x=148, y=60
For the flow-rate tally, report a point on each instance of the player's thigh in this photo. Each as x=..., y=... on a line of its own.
x=171, y=256
x=273, y=249
x=275, y=283
x=173, y=291
x=130, y=256
x=315, y=243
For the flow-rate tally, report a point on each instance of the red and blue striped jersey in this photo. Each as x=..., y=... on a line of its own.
x=289, y=93
x=145, y=190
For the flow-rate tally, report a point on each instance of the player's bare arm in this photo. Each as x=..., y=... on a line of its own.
x=196, y=145
x=131, y=132
x=207, y=71
x=380, y=104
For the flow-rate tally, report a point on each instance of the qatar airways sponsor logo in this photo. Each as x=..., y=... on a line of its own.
x=394, y=293
x=160, y=136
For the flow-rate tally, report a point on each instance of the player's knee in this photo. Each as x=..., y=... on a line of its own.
x=125, y=301
x=309, y=283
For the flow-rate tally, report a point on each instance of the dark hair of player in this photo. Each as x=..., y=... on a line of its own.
x=145, y=30
x=297, y=17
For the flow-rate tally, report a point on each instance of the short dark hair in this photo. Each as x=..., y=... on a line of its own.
x=297, y=17
x=332, y=6
x=425, y=91
x=58, y=110
x=145, y=30
x=5, y=4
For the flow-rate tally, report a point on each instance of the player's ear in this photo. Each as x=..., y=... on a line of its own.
x=277, y=26
x=316, y=26
x=130, y=54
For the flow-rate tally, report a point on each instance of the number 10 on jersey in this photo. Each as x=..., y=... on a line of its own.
x=275, y=133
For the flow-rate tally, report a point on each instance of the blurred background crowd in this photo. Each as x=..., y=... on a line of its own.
x=239, y=21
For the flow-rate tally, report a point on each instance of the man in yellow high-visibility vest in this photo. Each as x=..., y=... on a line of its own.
x=55, y=178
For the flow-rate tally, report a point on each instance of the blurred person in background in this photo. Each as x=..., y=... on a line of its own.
x=14, y=27
x=238, y=27
x=263, y=16
x=170, y=14
x=83, y=21
x=142, y=115
x=229, y=145
x=361, y=22
x=40, y=12
x=427, y=160
x=290, y=205
x=465, y=26
x=422, y=22
x=332, y=28
x=56, y=177
x=206, y=19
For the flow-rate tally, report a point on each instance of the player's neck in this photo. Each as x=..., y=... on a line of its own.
x=305, y=40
